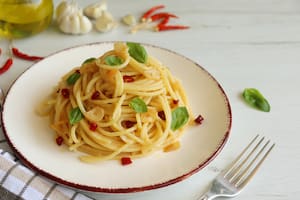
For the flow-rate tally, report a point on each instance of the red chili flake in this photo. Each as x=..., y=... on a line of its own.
x=77, y=71
x=147, y=14
x=6, y=66
x=128, y=79
x=128, y=124
x=199, y=119
x=24, y=56
x=126, y=161
x=65, y=93
x=59, y=140
x=175, y=101
x=93, y=126
x=162, y=115
x=96, y=95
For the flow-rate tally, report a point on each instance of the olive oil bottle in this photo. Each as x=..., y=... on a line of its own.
x=23, y=18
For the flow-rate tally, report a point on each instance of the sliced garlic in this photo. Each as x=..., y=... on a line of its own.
x=129, y=20
x=94, y=10
x=105, y=22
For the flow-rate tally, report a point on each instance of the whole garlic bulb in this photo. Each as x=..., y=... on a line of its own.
x=94, y=10
x=75, y=23
x=65, y=8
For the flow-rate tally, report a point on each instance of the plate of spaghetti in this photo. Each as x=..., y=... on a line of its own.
x=116, y=117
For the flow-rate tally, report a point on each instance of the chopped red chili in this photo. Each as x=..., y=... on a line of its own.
x=96, y=95
x=162, y=15
x=175, y=101
x=199, y=119
x=65, y=93
x=128, y=79
x=59, y=140
x=24, y=56
x=164, y=27
x=128, y=124
x=6, y=66
x=162, y=115
x=126, y=161
x=147, y=14
x=93, y=126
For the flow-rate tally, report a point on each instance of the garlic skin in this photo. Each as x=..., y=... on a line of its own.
x=94, y=10
x=75, y=23
x=105, y=22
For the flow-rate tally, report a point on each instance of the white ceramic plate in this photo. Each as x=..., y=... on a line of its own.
x=32, y=139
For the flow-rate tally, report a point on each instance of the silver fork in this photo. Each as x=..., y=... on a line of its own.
x=231, y=181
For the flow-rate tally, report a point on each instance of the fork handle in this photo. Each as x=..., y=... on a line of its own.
x=208, y=196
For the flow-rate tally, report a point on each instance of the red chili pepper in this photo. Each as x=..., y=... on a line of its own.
x=126, y=161
x=164, y=27
x=6, y=66
x=162, y=15
x=147, y=14
x=59, y=140
x=199, y=119
x=24, y=56
x=128, y=79
x=93, y=126
x=164, y=21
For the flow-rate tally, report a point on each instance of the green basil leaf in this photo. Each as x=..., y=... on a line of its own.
x=137, y=51
x=138, y=105
x=73, y=78
x=113, y=60
x=88, y=60
x=75, y=115
x=180, y=116
x=255, y=99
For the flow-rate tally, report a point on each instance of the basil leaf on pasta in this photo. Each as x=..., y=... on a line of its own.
x=113, y=60
x=89, y=60
x=255, y=99
x=73, y=78
x=137, y=51
x=180, y=117
x=75, y=115
x=138, y=105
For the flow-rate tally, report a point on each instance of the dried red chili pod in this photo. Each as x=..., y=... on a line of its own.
x=164, y=27
x=147, y=14
x=24, y=56
x=162, y=15
x=6, y=66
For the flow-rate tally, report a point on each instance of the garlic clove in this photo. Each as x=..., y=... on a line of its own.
x=94, y=10
x=129, y=20
x=105, y=22
x=85, y=24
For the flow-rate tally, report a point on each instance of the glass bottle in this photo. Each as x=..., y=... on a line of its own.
x=23, y=18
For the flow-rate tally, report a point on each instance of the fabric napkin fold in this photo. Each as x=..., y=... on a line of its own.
x=19, y=182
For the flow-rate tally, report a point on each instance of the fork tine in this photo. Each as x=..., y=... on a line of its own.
x=234, y=164
x=246, y=177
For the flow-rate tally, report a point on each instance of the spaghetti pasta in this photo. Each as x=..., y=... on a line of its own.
x=122, y=104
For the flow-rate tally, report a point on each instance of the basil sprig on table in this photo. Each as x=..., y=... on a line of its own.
x=113, y=60
x=138, y=105
x=180, y=117
x=254, y=98
x=75, y=116
x=138, y=52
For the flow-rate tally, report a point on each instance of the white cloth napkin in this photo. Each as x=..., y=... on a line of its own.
x=19, y=182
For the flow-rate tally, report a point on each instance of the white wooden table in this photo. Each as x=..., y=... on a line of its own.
x=242, y=43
